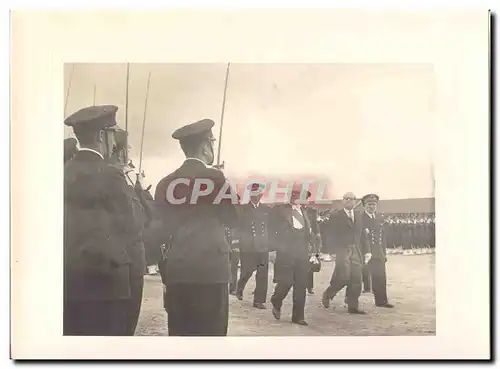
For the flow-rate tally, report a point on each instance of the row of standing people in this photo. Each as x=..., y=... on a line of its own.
x=414, y=230
x=402, y=231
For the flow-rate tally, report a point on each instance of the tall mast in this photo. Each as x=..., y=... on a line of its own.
x=222, y=115
x=144, y=125
x=69, y=88
x=126, y=113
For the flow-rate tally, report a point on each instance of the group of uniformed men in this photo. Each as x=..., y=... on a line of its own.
x=104, y=255
x=415, y=230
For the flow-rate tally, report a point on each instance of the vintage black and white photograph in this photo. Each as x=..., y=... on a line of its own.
x=285, y=193
x=356, y=257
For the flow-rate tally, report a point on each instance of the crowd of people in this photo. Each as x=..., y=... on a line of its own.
x=410, y=231
x=114, y=229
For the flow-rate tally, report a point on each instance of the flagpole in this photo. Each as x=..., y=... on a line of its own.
x=222, y=115
x=126, y=113
x=144, y=124
x=69, y=88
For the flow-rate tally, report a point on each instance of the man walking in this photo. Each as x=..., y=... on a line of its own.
x=292, y=256
x=345, y=229
x=254, y=246
x=374, y=245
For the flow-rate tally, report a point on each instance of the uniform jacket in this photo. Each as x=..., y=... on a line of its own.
x=253, y=228
x=198, y=247
x=98, y=219
x=373, y=238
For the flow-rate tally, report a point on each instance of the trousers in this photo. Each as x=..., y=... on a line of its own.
x=95, y=318
x=352, y=279
x=379, y=280
x=234, y=260
x=297, y=271
x=251, y=262
x=367, y=281
x=134, y=304
x=198, y=309
x=310, y=280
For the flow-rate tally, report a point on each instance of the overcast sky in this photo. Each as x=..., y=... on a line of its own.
x=363, y=127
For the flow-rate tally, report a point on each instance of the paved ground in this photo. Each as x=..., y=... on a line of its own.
x=410, y=287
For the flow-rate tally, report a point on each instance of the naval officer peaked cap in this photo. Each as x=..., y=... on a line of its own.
x=93, y=117
x=370, y=198
x=194, y=129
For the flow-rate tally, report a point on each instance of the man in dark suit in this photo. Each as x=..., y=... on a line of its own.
x=98, y=215
x=293, y=228
x=374, y=244
x=195, y=220
x=254, y=246
x=345, y=231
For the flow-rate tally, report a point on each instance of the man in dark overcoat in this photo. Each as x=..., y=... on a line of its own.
x=98, y=214
x=293, y=229
x=196, y=217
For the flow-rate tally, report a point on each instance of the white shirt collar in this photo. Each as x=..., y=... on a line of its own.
x=201, y=161
x=92, y=150
x=348, y=212
x=370, y=215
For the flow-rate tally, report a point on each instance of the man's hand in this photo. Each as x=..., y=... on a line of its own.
x=368, y=256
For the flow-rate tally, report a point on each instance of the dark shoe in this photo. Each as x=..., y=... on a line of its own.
x=311, y=292
x=326, y=301
x=259, y=305
x=276, y=313
x=300, y=322
x=356, y=311
x=367, y=291
x=239, y=295
x=386, y=305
